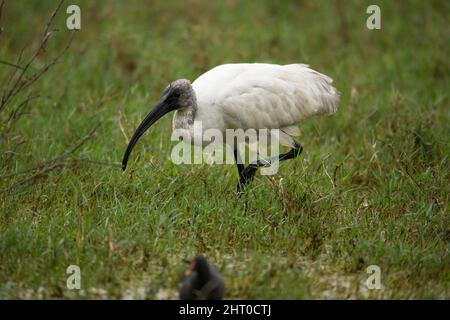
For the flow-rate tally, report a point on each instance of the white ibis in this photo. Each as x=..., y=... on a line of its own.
x=246, y=96
x=201, y=281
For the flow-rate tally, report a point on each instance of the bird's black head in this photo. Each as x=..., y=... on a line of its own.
x=200, y=265
x=178, y=95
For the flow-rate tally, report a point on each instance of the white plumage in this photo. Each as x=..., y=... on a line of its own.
x=260, y=95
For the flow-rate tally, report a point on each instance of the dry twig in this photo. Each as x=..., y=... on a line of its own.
x=21, y=81
x=63, y=160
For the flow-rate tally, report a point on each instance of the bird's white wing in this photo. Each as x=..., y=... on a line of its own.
x=267, y=95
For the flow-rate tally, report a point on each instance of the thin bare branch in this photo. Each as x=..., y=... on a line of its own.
x=52, y=17
x=33, y=78
x=44, y=172
x=11, y=64
x=84, y=139
x=13, y=74
x=18, y=84
x=17, y=113
x=97, y=162
x=44, y=168
x=49, y=163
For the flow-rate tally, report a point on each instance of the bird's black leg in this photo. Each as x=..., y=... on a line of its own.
x=244, y=175
x=291, y=154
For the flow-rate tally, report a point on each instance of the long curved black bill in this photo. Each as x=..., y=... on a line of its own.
x=160, y=109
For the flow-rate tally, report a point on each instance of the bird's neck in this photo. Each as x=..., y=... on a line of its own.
x=184, y=118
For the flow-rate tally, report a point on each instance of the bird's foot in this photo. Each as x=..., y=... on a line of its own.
x=245, y=177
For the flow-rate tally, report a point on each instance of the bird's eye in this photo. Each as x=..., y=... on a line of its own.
x=166, y=90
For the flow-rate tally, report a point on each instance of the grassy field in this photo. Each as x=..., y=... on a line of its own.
x=370, y=188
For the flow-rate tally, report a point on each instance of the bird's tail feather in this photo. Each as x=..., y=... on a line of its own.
x=328, y=95
x=321, y=90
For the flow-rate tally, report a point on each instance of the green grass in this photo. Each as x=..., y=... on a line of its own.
x=371, y=186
